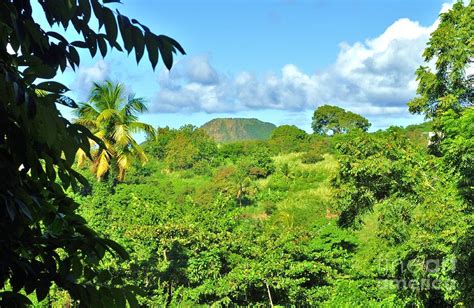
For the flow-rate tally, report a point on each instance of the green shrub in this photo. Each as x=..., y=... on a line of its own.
x=311, y=157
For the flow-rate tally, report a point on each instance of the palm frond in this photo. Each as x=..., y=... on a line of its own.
x=134, y=105
x=140, y=127
x=81, y=157
x=107, y=95
x=102, y=164
x=89, y=123
x=121, y=135
x=85, y=110
x=107, y=115
x=138, y=151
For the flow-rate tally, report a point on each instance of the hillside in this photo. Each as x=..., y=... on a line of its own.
x=235, y=129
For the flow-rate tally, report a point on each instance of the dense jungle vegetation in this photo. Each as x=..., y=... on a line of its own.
x=342, y=217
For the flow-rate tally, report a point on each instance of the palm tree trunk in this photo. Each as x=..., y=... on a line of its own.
x=269, y=294
x=112, y=175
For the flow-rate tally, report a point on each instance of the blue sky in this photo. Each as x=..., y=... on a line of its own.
x=276, y=60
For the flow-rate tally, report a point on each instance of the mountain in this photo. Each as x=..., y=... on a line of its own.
x=235, y=129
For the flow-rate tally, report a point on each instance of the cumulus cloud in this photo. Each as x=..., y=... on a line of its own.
x=86, y=76
x=378, y=75
x=374, y=77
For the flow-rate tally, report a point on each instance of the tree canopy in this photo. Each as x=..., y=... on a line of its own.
x=287, y=138
x=446, y=94
x=42, y=238
x=451, y=47
x=335, y=120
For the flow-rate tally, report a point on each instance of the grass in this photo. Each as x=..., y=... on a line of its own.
x=309, y=194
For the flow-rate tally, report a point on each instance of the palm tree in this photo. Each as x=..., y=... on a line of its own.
x=111, y=115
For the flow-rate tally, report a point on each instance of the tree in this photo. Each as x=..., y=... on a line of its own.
x=417, y=197
x=42, y=239
x=261, y=163
x=111, y=116
x=242, y=179
x=288, y=138
x=451, y=46
x=180, y=152
x=189, y=146
x=337, y=120
x=446, y=94
x=156, y=145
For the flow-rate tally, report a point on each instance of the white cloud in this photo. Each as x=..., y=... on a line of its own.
x=197, y=69
x=375, y=78
x=86, y=76
x=379, y=72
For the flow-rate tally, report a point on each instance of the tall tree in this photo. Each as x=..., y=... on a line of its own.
x=336, y=120
x=451, y=46
x=111, y=116
x=446, y=94
x=42, y=239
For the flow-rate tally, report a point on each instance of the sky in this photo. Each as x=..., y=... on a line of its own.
x=275, y=60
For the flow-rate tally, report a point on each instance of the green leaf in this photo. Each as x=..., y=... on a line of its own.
x=86, y=9
x=11, y=210
x=57, y=36
x=50, y=167
x=98, y=12
x=52, y=86
x=42, y=290
x=125, y=30
x=119, y=297
x=104, y=276
x=152, y=49
x=166, y=50
x=102, y=46
x=138, y=42
x=41, y=71
x=30, y=285
x=132, y=299
x=117, y=248
x=91, y=41
x=106, y=297
x=175, y=44
x=24, y=209
x=65, y=181
x=145, y=28
x=74, y=56
x=14, y=298
x=79, y=44
x=117, y=46
x=110, y=25
x=76, y=267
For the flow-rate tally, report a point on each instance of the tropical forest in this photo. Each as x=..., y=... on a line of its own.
x=102, y=207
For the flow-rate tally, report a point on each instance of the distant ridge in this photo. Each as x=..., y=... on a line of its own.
x=237, y=129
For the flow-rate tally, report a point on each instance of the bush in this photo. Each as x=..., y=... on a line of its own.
x=269, y=207
x=188, y=147
x=262, y=161
x=288, y=138
x=311, y=157
x=202, y=168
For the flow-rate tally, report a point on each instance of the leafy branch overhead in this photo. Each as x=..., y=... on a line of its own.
x=43, y=241
x=135, y=36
